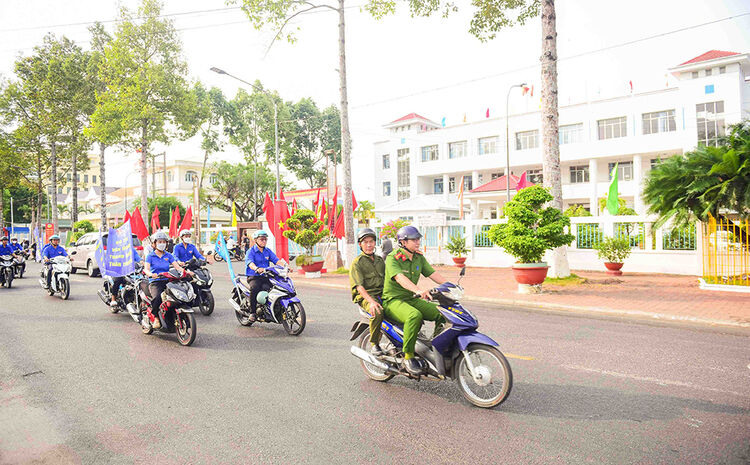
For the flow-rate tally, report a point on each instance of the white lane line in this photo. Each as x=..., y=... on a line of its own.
x=661, y=382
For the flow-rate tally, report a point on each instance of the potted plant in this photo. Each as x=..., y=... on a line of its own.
x=614, y=250
x=531, y=230
x=304, y=229
x=457, y=247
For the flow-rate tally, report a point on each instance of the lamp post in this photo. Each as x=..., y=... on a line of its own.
x=275, y=122
x=507, y=144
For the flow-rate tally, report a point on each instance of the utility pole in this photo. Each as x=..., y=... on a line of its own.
x=164, y=154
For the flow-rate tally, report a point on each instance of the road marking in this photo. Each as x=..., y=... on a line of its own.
x=519, y=357
x=661, y=382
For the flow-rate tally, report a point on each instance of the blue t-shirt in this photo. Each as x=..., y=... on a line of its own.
x=16, y=246
x=261, y=259
x=184, y=254
x=51, y=251
x=159, y=264
x=6, y=250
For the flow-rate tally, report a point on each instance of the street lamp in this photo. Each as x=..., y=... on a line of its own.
x=507, y=143
x=275, y=122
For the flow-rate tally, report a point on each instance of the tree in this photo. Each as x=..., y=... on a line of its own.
x=365, y=211
x=304, y=229
x=80, y=228
x=210, y=111
x=235, y=183
x=278, y=14
x=576, y=210
x=143, y=72
x=622, y=208
x=166, y=207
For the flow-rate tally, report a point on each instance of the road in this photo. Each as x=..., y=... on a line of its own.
x=81, y=385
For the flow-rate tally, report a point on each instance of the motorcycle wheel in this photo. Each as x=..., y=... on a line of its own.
x=244, y=320
x=218, y=258
x=8, y=279
x=294, y=319
x=207, y=303
x=498, y=378
x=185, y=328
x=373, y=372
x=64, y=289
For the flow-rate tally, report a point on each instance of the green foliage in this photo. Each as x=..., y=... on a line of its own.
x=572, y=280
x=531, y=228
x=391, y=228
x=622, y=208
x=613, y=249
x=457, y=246
x=576, y=210
x=80, y=228
x=302, y=228
x=703, y=182
x=235, y=182
x=314, y=132
x=166, y=206
x=365, y=210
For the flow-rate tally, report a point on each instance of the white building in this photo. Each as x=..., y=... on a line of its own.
x=420, y=159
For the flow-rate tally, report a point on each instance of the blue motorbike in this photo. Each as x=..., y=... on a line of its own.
x=279, y=304
x=459, y=352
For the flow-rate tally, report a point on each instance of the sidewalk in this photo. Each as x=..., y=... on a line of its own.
x=652, y=296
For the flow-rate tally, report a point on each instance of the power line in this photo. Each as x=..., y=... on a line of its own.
x=524, y=68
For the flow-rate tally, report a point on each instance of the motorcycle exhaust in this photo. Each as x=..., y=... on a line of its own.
x=103, y=296
x=369, y=358
x=235, y=305
x=133, y=311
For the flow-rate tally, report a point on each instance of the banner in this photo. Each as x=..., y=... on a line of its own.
x=38, y=244
x=221, y=249
x=117, y=259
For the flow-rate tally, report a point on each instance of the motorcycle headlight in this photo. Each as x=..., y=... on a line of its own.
x=210, y=281
x=179, y=294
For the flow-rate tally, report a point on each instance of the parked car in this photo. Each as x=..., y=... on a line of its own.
x=82, y=252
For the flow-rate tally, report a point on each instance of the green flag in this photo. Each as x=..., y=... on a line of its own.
x=612, y=205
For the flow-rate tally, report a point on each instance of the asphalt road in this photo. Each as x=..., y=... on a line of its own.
x=81, y=385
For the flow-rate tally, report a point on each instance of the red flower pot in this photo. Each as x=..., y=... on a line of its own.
x=459, y=261
x=530, y=273
x=312, y=268
x=613, y=268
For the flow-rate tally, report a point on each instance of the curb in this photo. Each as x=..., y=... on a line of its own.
x=550, y=307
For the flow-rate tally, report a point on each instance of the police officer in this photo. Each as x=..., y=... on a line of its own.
x=366, y=280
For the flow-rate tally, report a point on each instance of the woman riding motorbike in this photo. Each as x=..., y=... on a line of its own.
x=159, y=261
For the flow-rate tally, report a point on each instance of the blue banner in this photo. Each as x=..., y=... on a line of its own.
x=117, y=259
x=38, y=244
x=221, y=249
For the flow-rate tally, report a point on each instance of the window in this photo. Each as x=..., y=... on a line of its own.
x=70, y=177
x=387, y=189
x=430, y=153
x=480, y=176
x=488, y=145
x=437, y=185
x=624, y=170
x=386, y=161
x=535, y=176
x=457, y=149
x=659, y=121
x=403, y=174
x=708, y=72
x=93, y=178
x=451, y=184
x=67, y=191
x=59, y=190
x=579, y=174
x=468, y=183
x=710, y=122
x=571, y=133
x=212, y=179
x=495, y=176
x=190, y=175
x=85, y=178
x=612, y=128
x=527, y=140
x=722, y=69
x=695, y=74
x=654, y=162
x=170, y=177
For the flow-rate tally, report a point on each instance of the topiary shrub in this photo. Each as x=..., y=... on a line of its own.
x=80, y=228
x=613, y=249
x=457, y=246
x=305, y=229
x=532, y=228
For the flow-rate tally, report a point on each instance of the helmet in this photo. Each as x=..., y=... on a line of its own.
x=14, y=238
x=159, y=236
x=408, y=232
x=259, y=233
x=4, y=238
x=54, y=236
x=184, y=232
x=367, y=232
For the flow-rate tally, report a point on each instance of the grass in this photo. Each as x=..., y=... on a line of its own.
x=572, y=280
x=342, y=270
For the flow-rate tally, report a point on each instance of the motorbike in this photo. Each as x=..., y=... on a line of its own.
x=19, y=263
x=127, y=294
x=175, y=312
x=202, y=282
x=235, y=254
x=6, y=270
x=60, y=281
x=459, y=352
x=278, y=305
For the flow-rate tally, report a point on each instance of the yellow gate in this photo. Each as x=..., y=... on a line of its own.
x=726, y=251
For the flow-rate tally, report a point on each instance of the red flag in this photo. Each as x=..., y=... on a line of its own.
x=487, y=115
x=523, y=183
x=332, y=210
x=532, y=90
x=155, y=225
x=339, y=230
x=187, y=223
x=137, y=225
x=294, y=207
x=268, y=209
x=281, y=194
x=323, y=210
x=174, y=222
x=525, y=90
x=631, y=86
x=280, y=215
x=127, y=217
x=317, y=201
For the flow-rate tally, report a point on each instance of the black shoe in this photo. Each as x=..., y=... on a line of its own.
x=413, y=366
x=376, y=350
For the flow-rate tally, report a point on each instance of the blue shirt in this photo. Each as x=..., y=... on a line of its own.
x=6, y=250
x=51, y=251
x=16, y=246
x=184, y=254
x=159, y=264
x=261, y=259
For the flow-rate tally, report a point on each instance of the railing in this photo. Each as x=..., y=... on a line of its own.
x=481, y=239
x=726, y=251
x=635, y=232
x=679, y=238
x=587, y=235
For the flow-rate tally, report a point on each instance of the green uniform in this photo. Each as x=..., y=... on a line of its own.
x=368, y=272
x=400, y=304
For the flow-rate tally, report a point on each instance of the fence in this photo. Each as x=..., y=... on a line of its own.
x=726, y=251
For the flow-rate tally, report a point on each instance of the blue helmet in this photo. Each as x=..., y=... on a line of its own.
x=259, y=233
x=408, y=232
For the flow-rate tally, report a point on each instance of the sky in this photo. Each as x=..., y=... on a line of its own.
x=398, y=65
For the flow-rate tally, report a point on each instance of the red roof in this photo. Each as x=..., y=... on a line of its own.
x=710, y=55
x=497, y=184
x=408, y=117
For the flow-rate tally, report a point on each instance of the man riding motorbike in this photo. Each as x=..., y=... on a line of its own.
x=158, y=261
x=402, y=271
x=119, y=281
x=184, y=251
x=18, y=250
x=366, y=280
x=257, y=259
x=52, y=250
x=5, y=248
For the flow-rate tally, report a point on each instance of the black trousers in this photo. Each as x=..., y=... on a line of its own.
x=155, y=289
x=257, y=284
x=117, y=283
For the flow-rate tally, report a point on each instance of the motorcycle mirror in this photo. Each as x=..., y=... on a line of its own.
x=463, y=271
